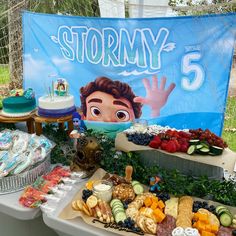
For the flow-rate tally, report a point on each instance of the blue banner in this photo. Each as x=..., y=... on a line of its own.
x=170, y=71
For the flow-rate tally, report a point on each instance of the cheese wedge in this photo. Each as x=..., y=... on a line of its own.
x=171, y=207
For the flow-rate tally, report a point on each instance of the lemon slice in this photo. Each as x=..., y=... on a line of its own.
x=92, y=201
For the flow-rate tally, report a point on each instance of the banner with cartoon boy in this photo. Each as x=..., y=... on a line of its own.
x=169, y=71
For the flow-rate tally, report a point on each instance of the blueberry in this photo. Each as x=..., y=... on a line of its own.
x=133, y=229
x=132, y=222
x=138, y=229
x=195, y=209
x=212, y=208
x=200, y=205
x=205, y=204
x=125, y=225
x=84, y=191
x=166, y=195
x=120, y=223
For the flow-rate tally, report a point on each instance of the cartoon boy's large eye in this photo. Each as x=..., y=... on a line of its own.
x=95, y=111
x=122, y=115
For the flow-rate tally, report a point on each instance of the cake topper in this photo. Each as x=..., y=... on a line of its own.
x=61, y=87
x=29, y=93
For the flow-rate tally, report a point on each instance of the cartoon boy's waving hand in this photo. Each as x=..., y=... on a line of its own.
x=156, y=97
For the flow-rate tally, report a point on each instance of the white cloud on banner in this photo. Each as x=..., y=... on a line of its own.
x=62, y=64
x=33, y=68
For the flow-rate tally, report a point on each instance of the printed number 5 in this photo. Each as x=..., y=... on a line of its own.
x=188, y=67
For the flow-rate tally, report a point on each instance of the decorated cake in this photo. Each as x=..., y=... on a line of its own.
x=16, y=105
x=58, y=102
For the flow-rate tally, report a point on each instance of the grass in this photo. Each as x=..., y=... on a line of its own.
x=229, y=133
x=4, y=74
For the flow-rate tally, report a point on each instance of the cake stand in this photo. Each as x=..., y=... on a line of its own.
x=28, y=119
x=39, y=120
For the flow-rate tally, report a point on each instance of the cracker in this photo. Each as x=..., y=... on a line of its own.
x=74, y=206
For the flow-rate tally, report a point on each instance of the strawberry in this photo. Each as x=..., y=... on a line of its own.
x=157, y=139
x=176, y=144
x=171, y=146
x=184, y=148
x=154, y=144
x=164, y=144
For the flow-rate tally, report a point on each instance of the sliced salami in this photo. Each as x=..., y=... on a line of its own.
x=166, y=227
x=225, y=231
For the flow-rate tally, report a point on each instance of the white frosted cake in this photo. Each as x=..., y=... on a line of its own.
x=56, y=106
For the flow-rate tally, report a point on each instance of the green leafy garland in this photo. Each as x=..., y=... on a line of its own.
x=173, y=181
x=115, y=162
x=64, y=146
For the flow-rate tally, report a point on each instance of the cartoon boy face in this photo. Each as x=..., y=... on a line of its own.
x=104, y=107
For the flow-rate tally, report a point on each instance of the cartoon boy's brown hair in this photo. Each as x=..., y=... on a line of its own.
x=116, y=88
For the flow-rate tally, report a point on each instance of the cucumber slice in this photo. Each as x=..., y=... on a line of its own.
x=199, y=146
x=117, y=204
x=204, y=144
x=212, y=154
x=120, y=216
x=134, y=182
x=216, y=150
x=225, y=220
x=191, y=149
x=204, y=150
x=194, y=141
x=115, y=211
x=219, y=208
x=114, y=201
x=138, y=189
x=224, y=210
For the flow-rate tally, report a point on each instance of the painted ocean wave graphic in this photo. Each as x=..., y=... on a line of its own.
x=135, y=72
